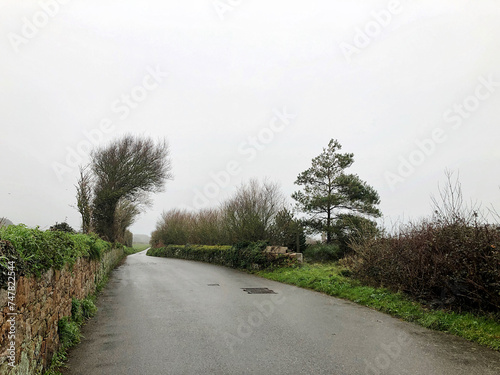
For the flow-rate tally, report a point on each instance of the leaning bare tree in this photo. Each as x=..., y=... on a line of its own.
x=119, y=179
x=126, y=213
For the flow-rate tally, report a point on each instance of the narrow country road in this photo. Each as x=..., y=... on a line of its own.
x=169, y=316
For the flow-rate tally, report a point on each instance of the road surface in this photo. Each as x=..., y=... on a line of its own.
x=170, y=316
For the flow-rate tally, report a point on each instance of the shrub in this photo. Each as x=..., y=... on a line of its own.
x=62, y=227
x=128, y=238
x=350, y=228
x=323, y=252
x=453, y=265
x=207, y=228
x=288, y=231
x=82, y=309
x=76, y=311
x=89, y=309
x=450, y=261
x=172, y=228
x=249, y=215
x=69, y=332
x=35, y=251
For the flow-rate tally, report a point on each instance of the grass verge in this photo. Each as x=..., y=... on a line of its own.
x=332, y=280
x=137, y=247
x=69, y=331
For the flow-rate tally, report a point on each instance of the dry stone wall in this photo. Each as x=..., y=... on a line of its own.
x=39, y=303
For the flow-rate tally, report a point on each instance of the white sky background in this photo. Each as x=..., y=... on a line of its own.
x=225, y=78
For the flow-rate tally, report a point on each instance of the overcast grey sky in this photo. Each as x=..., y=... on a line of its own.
x=244, y=89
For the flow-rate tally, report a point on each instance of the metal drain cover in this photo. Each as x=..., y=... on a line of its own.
x=258, y=291
x=213, y=284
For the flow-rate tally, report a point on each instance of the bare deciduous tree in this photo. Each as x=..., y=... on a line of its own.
x=208, y=228
x=172, y=228
x=125, y=214
x=450, y=208
x=249, y=213
x=84, y=195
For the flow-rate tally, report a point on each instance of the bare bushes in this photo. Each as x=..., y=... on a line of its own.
x=451, y=260
x=256, y=212
x=249, y=214
x=179, y=227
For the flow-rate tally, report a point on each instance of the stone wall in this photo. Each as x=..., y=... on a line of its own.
x=39, y=304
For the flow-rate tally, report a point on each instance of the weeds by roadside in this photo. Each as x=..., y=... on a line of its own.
x=69, y=330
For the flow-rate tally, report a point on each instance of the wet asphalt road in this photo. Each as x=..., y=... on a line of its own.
x=163, y=316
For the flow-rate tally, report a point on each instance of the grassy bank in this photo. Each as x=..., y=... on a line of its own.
x=333, y=280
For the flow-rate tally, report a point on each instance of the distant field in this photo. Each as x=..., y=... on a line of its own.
x=136, y=247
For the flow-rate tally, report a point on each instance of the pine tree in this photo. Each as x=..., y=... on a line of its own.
x=329, y=192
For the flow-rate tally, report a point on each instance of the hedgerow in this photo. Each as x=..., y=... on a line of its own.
x=249, y=257
x=34, y=251
x=452, y=266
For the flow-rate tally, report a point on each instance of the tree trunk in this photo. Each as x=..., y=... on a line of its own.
x=104, y=217
x=328, y=231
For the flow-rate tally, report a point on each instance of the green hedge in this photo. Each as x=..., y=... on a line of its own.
x=323, y=253
x=35, y=251
x=250, y=257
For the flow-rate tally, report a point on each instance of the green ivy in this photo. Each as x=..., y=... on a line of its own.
x=250, y=257
x=34, y=251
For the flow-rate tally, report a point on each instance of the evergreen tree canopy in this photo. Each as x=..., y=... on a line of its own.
x=329, y=192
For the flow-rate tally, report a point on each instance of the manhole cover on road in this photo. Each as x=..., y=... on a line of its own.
x=258, y=291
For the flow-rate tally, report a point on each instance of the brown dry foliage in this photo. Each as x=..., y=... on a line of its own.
x=450, y=265
x=450, y=261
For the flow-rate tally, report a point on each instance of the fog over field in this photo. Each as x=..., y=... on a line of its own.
x=244, y=89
